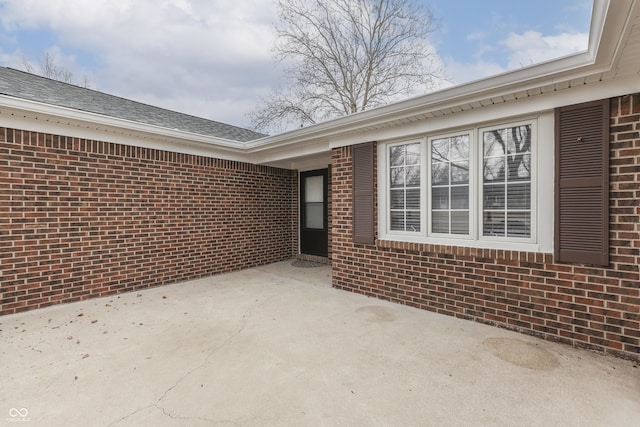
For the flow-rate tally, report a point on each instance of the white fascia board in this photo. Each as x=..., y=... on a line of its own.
x=519, y=80
x=22, y=108
x=313, y=162
x=299, y=149
x=493, y=114
x=597, y=25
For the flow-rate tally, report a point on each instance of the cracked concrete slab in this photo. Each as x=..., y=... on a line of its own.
x=276, y=345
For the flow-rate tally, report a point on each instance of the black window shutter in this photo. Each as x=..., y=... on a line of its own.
x=582, y=183
x=363, y=197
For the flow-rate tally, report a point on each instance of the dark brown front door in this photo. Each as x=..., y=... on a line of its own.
x=314, y=235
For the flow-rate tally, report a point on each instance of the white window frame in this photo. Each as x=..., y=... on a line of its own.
x=540, y=239
x=480, y=187
x=387, y=187
x=472, y=191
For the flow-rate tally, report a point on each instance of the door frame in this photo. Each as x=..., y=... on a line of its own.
x=314, y=241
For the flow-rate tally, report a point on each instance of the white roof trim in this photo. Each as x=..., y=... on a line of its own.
x=93, y=119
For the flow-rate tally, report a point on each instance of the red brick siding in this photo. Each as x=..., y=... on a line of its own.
x=329, y=213
x=596, y=308
x=83, y=218
x=295, y=214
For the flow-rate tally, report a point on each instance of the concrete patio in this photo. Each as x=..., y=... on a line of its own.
x=277, y=346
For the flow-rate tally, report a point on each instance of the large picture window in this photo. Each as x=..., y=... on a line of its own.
x=463, y=187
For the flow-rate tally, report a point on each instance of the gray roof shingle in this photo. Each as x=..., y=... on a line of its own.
x=20, y=84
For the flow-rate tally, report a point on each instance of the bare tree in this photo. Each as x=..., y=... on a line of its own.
x=346, y=56
x=48, y=67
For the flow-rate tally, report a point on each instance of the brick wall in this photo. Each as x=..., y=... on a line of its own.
x=82, y=218
x=329, y=213
x=595, y=308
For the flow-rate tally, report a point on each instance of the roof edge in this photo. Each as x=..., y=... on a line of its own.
x=65, y=113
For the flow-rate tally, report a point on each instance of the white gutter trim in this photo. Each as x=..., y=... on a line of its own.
x=58, y=113
x=596, y=27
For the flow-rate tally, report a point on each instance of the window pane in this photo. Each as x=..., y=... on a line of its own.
x=396, y=155
x=494, y=143
x=314, y=217
x=450, y=168
x=413, y=154
x=440, y=173
x=519, y=139
x=459, y=148
x=507, y=159
x=520, y=168
x=413, y=176
x=397, y=221
x=314, y=189
x=397, y=177
x=413, y=221
x=404, y=194
x=460, y=197
x=440, y=149
x=494, y=169
x=519, y=224
x=413, y=199
x=440, y=198
x=512, y=140
x=493, y=224
x=460, y=222
x=440, y=222
x=460, y=172
x=519, y=196
x=397, y=199
x=493, y=196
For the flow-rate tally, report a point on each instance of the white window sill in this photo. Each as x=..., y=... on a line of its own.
x=505, y=244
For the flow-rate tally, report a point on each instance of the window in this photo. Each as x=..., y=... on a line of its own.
x=506, y=185
x=450, y=185
x=471, y=188
x=405, y=187
x=314, y=202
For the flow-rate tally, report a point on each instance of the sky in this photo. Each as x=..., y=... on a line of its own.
x=214, y=59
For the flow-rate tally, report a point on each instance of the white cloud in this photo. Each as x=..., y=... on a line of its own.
x=476, y=35
x=515, y=51
x=533, y=47
x=187, y=55
x=462, y=72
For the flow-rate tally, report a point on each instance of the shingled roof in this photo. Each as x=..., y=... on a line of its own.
x=20, y=84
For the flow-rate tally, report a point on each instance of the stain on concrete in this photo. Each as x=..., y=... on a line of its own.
x=377, y=313
x=521, y=353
